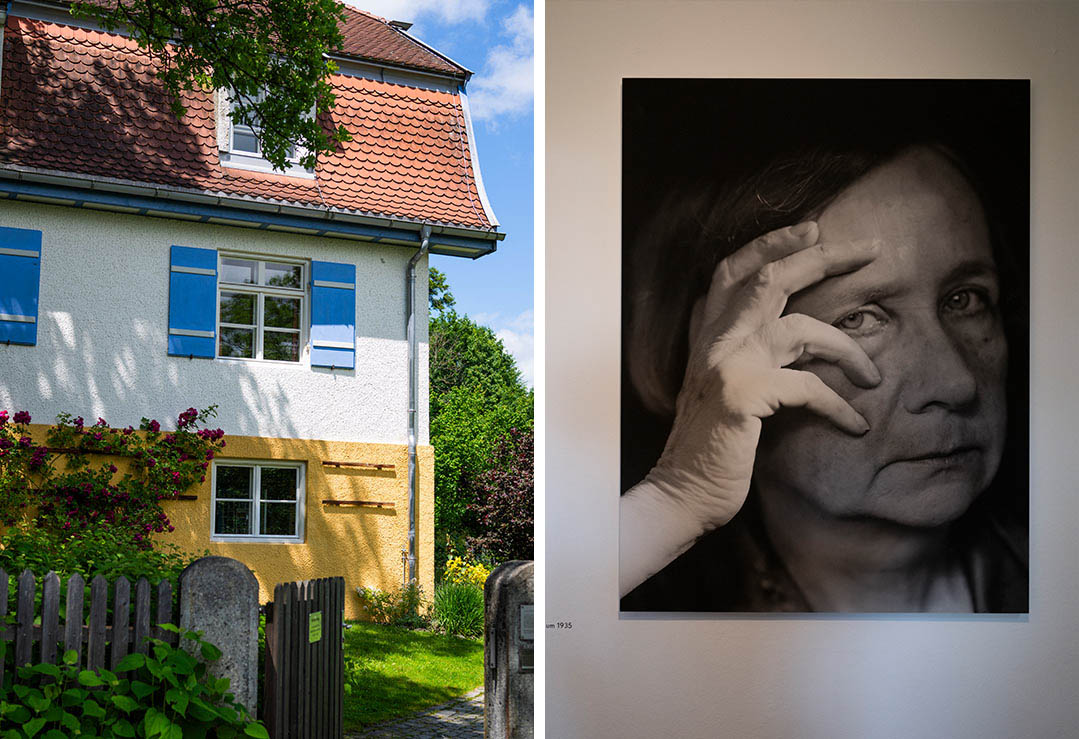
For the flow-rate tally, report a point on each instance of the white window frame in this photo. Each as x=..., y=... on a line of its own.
x=260, y=292
x=230, y=157
x=256, y=480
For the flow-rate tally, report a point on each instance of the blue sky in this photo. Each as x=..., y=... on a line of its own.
x=494, y=39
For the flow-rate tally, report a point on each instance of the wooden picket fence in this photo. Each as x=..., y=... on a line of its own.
x=305, y=659
x=89, y=638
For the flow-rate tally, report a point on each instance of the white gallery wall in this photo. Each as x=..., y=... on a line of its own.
x=828, y=676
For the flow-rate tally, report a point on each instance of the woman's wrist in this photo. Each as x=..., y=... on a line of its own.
x=655, y=528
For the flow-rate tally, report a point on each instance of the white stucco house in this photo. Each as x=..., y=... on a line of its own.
x=149, y=264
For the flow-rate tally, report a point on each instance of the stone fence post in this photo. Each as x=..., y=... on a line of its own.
x=509, y=657
x=219, y=596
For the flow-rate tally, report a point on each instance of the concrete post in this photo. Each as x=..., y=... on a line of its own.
x=509, y=652
x=219, y=596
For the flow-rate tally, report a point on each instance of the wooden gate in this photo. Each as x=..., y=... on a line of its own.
x=305, y=660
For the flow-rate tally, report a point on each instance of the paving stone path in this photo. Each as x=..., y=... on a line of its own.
x=461, y=718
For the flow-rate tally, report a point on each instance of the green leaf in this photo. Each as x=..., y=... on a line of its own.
x=141, y=689
x=38, y=703
x=55, y=734
x=72, y=696
x=71, y=657
x=257, y=730
x=124, y=703
x=32, y=727
x=131, y=661
x=69, y=721
x=210, y=653
x=178, y=700
x=47, y=669
x=228, y=713
x=155, y=722
x=92, y=709
x=19, y=714
x=123, y=727
x=173, y=732
x=202, y=711
x=90, y=679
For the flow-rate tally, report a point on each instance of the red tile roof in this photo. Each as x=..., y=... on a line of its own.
x=88, y=102
x=370, y=37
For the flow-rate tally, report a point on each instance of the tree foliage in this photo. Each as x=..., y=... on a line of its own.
x=246, y=46
x=438, y=291
x=476, y=399
x=465, y=354
x=502, y=500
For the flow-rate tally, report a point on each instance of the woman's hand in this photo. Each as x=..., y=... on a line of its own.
x=741, y=346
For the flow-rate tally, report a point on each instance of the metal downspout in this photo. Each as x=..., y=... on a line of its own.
x=413, y=385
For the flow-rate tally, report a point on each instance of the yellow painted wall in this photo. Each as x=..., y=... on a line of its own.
x=359, y=543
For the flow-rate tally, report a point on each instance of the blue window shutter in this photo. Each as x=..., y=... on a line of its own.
x=333, y=315
x=193, y=302
x=20, y=265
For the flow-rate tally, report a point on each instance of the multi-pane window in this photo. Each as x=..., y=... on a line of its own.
x=245, y=135
x=258, y=500
x=260, y=308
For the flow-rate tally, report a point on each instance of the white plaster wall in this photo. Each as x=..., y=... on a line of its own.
x=826, y=676
x=103, y=327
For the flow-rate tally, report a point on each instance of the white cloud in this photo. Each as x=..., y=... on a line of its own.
x=518, y=336
x=445, y=11
x=505, y=87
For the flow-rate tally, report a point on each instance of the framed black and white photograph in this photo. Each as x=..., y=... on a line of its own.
x=825, y=346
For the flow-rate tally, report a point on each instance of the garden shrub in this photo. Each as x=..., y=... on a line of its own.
x=167, y=693
x=503, y=500
x=458, y=608
x=402, y=607
x=100, y=551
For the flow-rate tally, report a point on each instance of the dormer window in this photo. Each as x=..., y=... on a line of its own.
x=245, y=137
x=239, y=142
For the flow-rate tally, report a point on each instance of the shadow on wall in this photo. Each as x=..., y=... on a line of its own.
x=85, y=369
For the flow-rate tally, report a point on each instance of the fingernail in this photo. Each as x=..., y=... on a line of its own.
x=802, y=229
x=863, y=427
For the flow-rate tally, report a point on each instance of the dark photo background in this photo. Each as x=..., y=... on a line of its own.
x=679, y=131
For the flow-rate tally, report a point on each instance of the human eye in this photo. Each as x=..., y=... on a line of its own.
x=862, y=322
x=968, y=301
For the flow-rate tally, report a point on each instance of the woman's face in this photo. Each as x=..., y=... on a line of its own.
x=926, y=313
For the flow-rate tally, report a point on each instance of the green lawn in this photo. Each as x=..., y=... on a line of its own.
x=400, y=671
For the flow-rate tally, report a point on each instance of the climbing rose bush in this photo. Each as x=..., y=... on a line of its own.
x=72, y=485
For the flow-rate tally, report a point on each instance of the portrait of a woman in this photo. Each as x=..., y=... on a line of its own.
x=824, y=347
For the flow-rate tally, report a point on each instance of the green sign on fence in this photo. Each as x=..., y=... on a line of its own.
x=314, y=627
